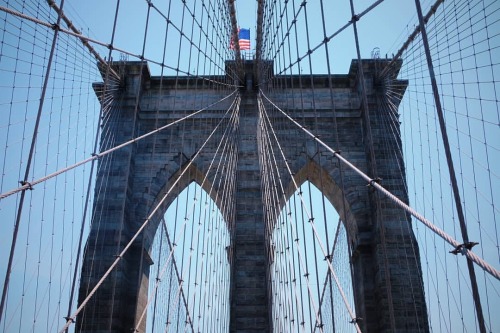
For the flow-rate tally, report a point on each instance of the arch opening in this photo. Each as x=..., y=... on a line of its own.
x=189, y=270
x=307, y=235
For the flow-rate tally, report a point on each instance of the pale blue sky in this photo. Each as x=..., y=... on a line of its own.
x=386, y=27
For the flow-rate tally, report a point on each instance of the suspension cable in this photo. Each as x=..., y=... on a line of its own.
x=372, y=182
x=28, y=166
x=29, y=185
x=344, y=298
x=71, y=319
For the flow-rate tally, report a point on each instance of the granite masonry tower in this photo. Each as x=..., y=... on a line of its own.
x=383, y=247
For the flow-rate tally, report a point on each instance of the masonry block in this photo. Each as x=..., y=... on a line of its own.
x=132, y=180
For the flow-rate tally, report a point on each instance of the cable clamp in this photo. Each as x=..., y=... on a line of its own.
x=328, y=257
x=373, y=181
x=356, y=320
x=69, y=319
x=355, y=18
x=56, y=27
x=463, y=247
x=28, y=184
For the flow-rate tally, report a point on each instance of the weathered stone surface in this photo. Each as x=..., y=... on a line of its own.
x=131, y=181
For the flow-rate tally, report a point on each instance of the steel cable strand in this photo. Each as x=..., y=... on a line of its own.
x=346, y=303
x=300, y=256
x=139, y=231
x=159, y=250
x=177, y=273
x=330, y=37
x=111, y=47
x=271, y=199
x=28, y=167
x=264, y=113
x=389, y=121
x=451, y=169
x=313, y=94
x=337, y=143
x=328, y=276
x=106, y=152
x=108, y=74
x=151, y=158
x=372, y=182
x=190, y=255
x=143, y=314
x=482, y=106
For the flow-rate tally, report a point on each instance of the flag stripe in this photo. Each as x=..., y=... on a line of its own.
x=244, y=39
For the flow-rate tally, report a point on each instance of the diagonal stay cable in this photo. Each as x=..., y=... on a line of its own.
x=271, y=181
x=29, y=185
x=372, y=182
x=223, y=140
x=109, y=46
x=71, y=319
x=316, y=234
x=72, y=27
x=180, y=292
x=327, y=39
x=29, y=163
x=328, y=277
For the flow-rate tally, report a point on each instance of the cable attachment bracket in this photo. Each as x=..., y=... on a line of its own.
x=374, y=180
x=462, y=248
x=28, y=185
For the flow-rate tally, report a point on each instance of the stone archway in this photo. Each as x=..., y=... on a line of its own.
x=137, y=181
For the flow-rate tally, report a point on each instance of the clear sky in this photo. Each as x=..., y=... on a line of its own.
x=471, y=105
x=385, y=27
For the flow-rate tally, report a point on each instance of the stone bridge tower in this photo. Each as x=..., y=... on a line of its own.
x=384, y=250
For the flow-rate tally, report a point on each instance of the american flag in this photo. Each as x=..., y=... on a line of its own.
x=244, y=39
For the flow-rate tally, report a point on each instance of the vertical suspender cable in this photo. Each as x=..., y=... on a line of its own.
x=451, y=169
x=92, y=165
x=28, y=163
x=373, y=170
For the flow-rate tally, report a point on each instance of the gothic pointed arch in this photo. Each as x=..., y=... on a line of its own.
x=330, y=187
x=170, y=189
